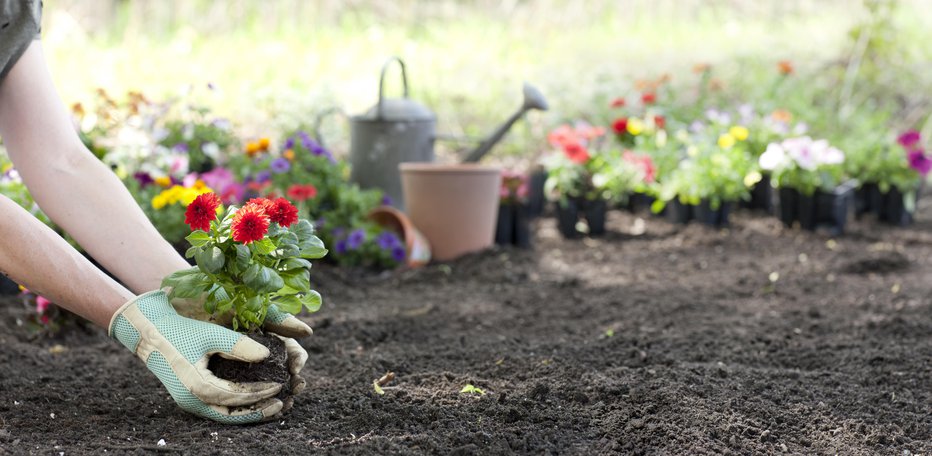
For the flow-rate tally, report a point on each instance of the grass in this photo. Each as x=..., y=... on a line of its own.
x=279, y=62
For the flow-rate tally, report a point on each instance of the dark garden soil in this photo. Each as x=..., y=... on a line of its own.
x=654, y=339
x=272, y=369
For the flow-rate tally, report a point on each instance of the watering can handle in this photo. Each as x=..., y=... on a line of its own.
x=404, y=80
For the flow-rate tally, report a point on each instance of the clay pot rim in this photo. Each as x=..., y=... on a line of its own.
x=455, y=168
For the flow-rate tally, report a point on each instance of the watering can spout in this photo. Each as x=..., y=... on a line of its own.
x=533, y=99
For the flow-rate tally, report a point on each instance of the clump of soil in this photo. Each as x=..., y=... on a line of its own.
x=272, y=369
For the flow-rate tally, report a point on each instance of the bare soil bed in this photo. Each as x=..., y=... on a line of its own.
x=654, y=339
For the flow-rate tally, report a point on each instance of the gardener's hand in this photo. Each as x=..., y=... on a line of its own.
x=176, y=349
x=283, y=324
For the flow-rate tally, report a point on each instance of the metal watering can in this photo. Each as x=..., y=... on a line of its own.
x=398, y=130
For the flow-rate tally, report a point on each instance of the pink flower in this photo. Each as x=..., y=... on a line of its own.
x=42, y=304
x=909, y=139
x=919, y=161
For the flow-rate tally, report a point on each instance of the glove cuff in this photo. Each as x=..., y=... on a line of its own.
x=148, y=307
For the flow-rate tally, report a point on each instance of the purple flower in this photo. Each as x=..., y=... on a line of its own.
x=909, y=139
x=144, y=179
x=280, y=165
x=386, y=200
x=340, y=246
x=355, y=239
x=387, y=240
x=180, y=148
x=399, y=254
x=319, y=223
x=337, y=232
x=289, y=143
x=263, y=176
x=919, y=161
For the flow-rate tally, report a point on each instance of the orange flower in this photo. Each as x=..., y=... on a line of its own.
x=785, y=67
x=289, y=154
x=264, y=143
x=252, y=148
x=782, y=115
x=700, y=68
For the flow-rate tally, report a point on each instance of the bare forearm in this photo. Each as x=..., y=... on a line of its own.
x=77, y=191
x=35, y=256
x=89, y=202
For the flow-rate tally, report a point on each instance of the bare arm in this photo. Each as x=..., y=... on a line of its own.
x=75, y=189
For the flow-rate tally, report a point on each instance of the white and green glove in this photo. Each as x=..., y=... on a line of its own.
x=177, y=349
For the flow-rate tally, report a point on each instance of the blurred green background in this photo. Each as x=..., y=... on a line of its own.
x=276, y=63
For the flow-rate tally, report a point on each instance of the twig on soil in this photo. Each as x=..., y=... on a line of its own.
x=380, y=382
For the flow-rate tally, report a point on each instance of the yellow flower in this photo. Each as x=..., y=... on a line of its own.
x=752, y=178
x=187, y=196
x=199, y=185
x=289, y=154
x=739, y=132
x=635, y=126
x=6, y=168
x=158, y=202
x=726, y=141
x=264, y=143
x=163, y=181
x=252, y=148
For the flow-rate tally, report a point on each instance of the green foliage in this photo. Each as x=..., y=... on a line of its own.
x=470, y=389
x=245, y=279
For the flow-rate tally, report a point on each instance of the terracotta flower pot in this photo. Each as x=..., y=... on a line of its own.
x=416, y=245
x=455, y=206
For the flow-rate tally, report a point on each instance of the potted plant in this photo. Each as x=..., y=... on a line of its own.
x=710, y=179
x=251, y=260
x=583, y=178
x=513, y=226
x=808, y=174
x=892, y=178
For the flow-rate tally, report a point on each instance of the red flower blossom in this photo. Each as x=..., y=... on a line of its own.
x=620, y=125
x=202, y=211
x=250, y=223
x=660, y=121
x=576, y=153
x=618, y=102
x=264, y=204
x=283, y=212
x=785, y=67
x=302, y=192
x=643, y=161
x=648, y=98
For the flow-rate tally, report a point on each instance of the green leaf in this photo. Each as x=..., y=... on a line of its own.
x=470, y=389
x=312, y=248
x=191, y=286
x=289, y=304
x=176, y=277
x=264, y=247
x=311, y=301
x=225, y=306
x=191, y=252
x=210, y=259
x=198, y=238
x=289, y=238
x=254, y=304
x=298, y=279
x=303, y=229
x=295, y=263
x=242, y=256
x=262, y=279
x=288, y=250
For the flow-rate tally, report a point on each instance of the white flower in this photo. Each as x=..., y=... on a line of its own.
x=803, y=151
x=774, y=157
x=832, y=156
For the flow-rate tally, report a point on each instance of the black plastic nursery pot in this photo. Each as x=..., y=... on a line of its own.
x=867, y=199
x=567, y=215
x=594, y=212
x=7, y=286
x=537, y=201
x=639, y=202
x=678, y=212
x=827, y=209
x=761, y=196
x=888, y=207
x=717, y=217
x=513, y=226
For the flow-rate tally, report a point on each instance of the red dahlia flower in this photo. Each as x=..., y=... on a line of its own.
x=264, y=204
x=202, y=211
x=302, y=192
x=250, y=224
x=283, y=212
x=576, y=153
x=620, y=125
x=660, y=121
x=649, y=98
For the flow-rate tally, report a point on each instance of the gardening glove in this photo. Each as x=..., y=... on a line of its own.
x=176, y=349
x=282, y=324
